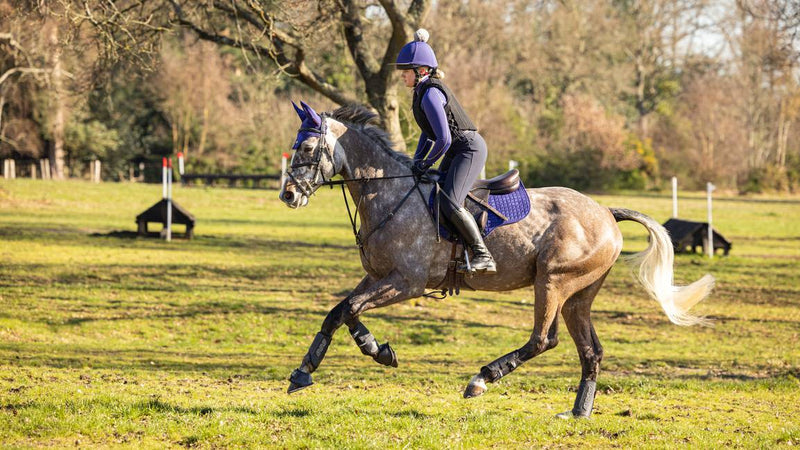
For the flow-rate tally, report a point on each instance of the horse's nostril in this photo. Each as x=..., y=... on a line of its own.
x=288, y=196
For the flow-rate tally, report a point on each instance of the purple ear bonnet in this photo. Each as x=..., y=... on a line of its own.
x=310, y=125
x=417, y=53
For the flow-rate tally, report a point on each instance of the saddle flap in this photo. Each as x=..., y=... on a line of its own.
x=501, y=184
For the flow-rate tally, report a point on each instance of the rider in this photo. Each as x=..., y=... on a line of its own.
x=443, y=121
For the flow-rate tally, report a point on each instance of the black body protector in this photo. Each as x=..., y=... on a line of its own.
x=457, y=119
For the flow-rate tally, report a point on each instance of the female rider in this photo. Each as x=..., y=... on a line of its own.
x=443, y=121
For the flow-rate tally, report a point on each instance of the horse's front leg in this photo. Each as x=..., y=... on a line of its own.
x=369, y=294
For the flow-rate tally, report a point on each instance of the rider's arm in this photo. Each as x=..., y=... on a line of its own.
x=423, y=146
x=433, y=104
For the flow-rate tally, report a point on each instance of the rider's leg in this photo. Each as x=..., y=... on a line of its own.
x=463, y=169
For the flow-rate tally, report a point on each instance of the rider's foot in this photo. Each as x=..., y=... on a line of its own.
x=483, y=263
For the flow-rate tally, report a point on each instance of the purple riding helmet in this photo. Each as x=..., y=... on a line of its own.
x=417, y=53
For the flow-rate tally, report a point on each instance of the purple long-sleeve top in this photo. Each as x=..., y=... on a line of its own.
x=433, y=102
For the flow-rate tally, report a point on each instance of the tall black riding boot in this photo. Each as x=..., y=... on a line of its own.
x=482, y=260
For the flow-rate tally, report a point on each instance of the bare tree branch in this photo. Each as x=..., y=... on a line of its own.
x=294, y=67
x=23, y=70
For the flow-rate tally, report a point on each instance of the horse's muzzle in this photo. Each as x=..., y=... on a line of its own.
x=293, y=199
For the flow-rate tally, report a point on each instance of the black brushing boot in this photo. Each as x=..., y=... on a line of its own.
x=482, y=260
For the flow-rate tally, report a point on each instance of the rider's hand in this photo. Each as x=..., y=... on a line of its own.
x=419, y=169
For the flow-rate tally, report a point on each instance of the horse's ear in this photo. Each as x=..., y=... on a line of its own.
x=299, y=111
x=311, y=114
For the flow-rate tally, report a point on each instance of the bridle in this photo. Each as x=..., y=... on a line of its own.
x=307, y=188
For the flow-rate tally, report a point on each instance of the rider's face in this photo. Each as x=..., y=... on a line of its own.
x=409, y=77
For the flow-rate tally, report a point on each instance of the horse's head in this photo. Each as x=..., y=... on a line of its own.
x=313, y=162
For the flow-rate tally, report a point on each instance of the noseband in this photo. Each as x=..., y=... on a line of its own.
x=308, y=187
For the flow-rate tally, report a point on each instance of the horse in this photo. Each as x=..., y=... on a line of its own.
x=564, y=248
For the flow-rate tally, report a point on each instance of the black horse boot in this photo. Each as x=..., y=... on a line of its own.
x=482, y=260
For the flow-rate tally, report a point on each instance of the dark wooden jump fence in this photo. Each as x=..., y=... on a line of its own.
x=232, y=180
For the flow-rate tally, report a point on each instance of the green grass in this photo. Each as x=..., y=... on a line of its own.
x=107, y=340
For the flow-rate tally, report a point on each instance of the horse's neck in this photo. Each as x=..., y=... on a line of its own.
x=365, y=159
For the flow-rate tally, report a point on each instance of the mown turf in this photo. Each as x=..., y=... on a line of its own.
x=111, y=340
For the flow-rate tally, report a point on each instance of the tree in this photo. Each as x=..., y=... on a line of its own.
x=22, y=74
x=766, y=65
x=37, y=43
x=287, y=33
x=660, y=36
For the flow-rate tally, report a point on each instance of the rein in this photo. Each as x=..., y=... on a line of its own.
x=353, y=216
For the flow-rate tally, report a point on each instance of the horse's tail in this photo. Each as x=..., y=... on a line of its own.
x=655, y=272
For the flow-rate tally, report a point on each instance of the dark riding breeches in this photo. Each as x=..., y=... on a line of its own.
x=462, y=166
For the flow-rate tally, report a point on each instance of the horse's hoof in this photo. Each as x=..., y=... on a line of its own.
x=475, y=388
x=386, y=356
x=299, y=380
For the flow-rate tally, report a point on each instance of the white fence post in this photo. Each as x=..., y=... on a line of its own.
x=169, y=199
x=674, y=197
x=710, y=188
x=9, y=169
x=94, y=167
x=180, y=163
x=45, y=166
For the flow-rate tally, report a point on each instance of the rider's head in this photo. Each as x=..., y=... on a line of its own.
x=416, y=59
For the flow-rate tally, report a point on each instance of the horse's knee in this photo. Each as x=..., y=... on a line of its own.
x=536, y=346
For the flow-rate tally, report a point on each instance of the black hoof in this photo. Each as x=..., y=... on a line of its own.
x=386, y=355
x=299, y=380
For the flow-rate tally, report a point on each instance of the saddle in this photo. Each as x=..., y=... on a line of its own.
x=499, y=185
x=495, y=202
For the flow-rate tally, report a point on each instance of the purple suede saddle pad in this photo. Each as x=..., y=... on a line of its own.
x=515, y=206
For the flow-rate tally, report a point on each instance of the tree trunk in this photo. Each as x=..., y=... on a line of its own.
x=2, y=105
x=57, y=149
x=385, y=103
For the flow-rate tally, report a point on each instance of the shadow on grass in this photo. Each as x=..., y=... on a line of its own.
x=159, y=406
x=292, y=413
x=68, y=235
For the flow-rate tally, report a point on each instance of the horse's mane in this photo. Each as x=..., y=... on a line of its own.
x=364, y=120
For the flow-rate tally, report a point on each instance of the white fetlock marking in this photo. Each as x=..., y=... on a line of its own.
x=565, y=415
x=568, y=415
x=477, y=381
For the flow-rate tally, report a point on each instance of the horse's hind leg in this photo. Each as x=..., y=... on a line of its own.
x=543, y=338
x=576, y=312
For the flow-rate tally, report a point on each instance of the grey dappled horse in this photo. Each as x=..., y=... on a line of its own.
x=564, y=248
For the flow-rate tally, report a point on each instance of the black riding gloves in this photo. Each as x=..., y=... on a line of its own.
x=419, y=169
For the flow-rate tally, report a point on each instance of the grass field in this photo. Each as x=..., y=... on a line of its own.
x=108, y=340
